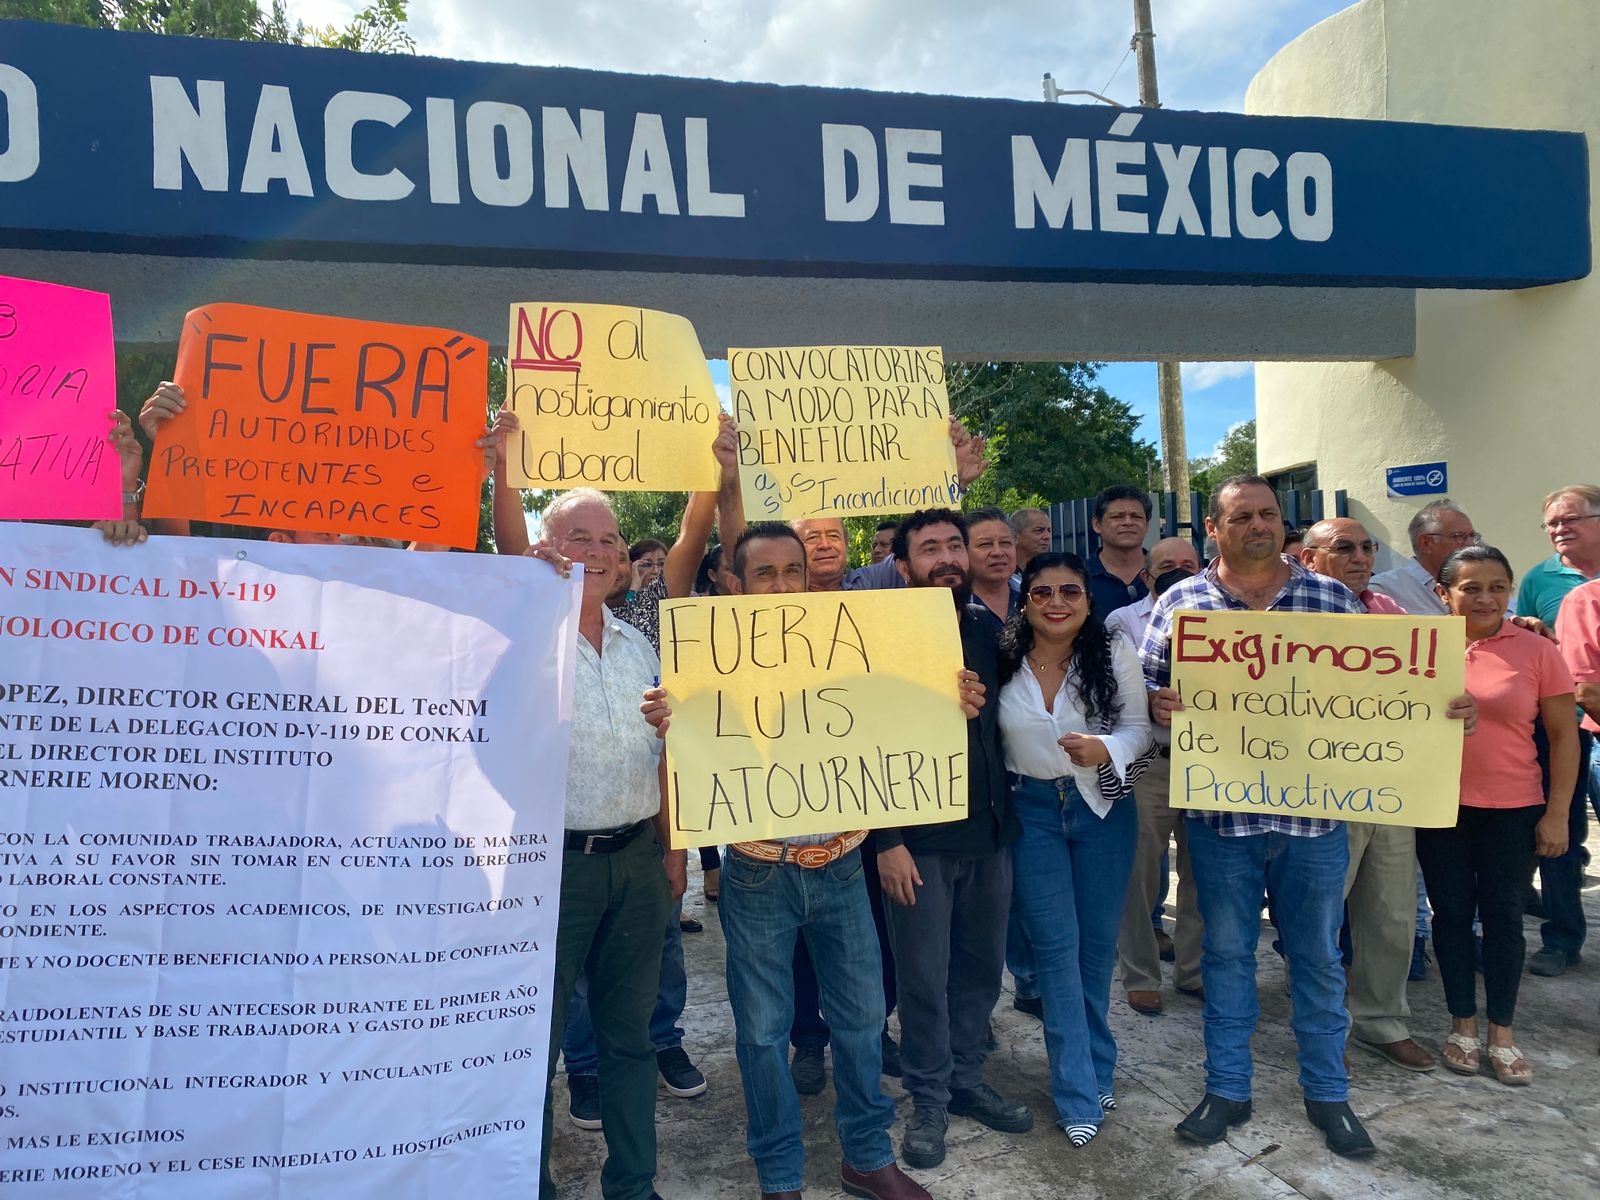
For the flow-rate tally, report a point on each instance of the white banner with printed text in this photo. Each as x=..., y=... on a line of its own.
x=279, y=867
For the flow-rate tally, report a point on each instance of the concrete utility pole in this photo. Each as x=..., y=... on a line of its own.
x=1169, y=378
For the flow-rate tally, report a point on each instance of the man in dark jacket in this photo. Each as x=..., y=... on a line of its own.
x=950, y=886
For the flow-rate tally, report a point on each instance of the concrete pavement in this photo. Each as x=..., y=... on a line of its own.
x=1439, y=1136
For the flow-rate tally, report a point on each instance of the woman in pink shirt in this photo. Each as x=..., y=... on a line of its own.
x=1483, y=863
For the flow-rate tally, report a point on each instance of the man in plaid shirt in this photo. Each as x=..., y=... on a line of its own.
x=1300, y=862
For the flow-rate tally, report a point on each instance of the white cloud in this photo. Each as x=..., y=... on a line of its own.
x=1197, y=377
x=1206, y=49
x=1216, y=451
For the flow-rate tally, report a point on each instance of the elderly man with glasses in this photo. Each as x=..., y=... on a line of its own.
x=1380, y=884
x=1437, y=531
x=1571, y=518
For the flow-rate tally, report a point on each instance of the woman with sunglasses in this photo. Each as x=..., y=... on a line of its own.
x=1076, y=732
x=1482, y=864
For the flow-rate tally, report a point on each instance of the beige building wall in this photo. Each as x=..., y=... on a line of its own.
x=1503, y=384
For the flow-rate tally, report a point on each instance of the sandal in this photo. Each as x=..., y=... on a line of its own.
x=1465, y=1061
x=1509, y=1067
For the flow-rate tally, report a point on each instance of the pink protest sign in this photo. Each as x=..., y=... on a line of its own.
x=58, y=385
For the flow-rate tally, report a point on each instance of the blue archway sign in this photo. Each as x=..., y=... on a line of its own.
x=117, y=141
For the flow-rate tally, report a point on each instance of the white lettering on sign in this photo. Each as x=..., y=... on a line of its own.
x=1098, y=201
x=703, y=202
x=1310, y=196
x=854, y=147
x=275, y=151
x=904, y=174
x=344, y=112
x=1094, y=185
x=196, y=134
x=21, y=157
x=444, y=172
x=649, y=171
x=487, y=122
x=857, y=145
x=578, y=151
x=499, y=152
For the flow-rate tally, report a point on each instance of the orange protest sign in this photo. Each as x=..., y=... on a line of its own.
x=324, y=425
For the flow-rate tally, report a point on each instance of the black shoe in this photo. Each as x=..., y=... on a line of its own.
x=1209, y=1122
x=1419, y=960
x=891, y=1056
x=1551, y=962
x=583, y=1103
x=1032, y=1005
x=690, y=925
x=806, y=1069
x=1344, y=1133
x=923, y=1143
x=682, y=1077
x=988, y=1107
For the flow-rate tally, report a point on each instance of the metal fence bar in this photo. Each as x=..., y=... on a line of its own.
x=1072, y=529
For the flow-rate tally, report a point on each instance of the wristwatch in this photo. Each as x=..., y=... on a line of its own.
x=135, y=496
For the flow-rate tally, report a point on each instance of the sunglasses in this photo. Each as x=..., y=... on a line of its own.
x=1042, y=593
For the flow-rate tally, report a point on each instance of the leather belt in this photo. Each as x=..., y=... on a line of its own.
x=604, y=841
x=808, y=857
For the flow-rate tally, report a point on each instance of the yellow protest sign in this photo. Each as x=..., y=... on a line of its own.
x=1316, y=715
x=812, y=713
x=838, y=431
x=612, y=398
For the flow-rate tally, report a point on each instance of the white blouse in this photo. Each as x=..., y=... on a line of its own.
x=1031, y=734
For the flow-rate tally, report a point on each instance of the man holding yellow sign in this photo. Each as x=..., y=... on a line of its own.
x=808, y=882
x=1203, y=635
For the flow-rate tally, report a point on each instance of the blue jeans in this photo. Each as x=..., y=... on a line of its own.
x=1019, y=954
x=578, y=1051
x=1594, y=776
x=1304, y=878
x=1070, y=873
x=1561, y=879
x=763, y=907
x=1423, y=911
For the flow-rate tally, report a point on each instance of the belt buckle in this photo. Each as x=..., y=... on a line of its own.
x=812, y=857
x=588, y=842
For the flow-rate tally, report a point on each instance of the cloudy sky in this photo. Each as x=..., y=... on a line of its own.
x=1206, y=52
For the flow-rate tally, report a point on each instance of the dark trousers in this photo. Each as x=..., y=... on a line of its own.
x=1561, y=879
x=809, y=1028
x=1481, y=865
x=613, y=909
x=949, y=954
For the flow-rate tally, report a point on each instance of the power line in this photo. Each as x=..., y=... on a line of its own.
x=1118, y=71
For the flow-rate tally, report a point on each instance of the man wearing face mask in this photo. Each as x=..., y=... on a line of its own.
x=1172, y=560
x=950, y=886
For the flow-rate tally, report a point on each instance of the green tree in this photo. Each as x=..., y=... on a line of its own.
x=381, y=26
x=1054, y=433
x=1235, y=455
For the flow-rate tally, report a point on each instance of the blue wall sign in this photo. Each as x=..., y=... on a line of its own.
x=1419, y=479
x=135, y=142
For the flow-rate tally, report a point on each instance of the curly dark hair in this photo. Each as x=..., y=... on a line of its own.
x=1089, y=672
